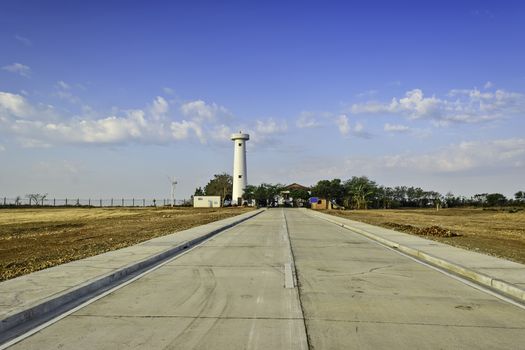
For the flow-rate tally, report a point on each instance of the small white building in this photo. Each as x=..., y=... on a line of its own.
x=206, y=201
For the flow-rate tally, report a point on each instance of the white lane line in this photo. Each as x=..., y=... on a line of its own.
x=100, y=296
x=288, y=276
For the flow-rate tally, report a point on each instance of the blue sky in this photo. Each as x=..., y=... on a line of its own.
x=107, y=98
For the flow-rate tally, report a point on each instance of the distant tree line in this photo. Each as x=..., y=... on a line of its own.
x=359, y=192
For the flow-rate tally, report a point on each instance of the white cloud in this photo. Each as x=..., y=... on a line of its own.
x=40, y=125
x=168, y=91
x=394, y=83
x=367, y=93
x=18, y=68
x=266, y=133
x=160, y=107
x=460, y=106
x=359, y=128
x=307, y=120
x=181, y=130
x=63, y=91
x=63, y=85
x=488, y=85
x=395, y=128
x=109, y=130
x=14, y=104
x=23, y=40
x=345, y=127
x=270, y=126
x=2, y=148
x=343, y=124
x=465, y=156
x=150, y=125
x=221, y=133
x=503, y=156
x=48, y=127
x=200, y=110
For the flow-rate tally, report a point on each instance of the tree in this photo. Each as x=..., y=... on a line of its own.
x=520, y=196
x=360, y=190
x=337, y=191
x=271, y=191
x=36, y=198
x=220, y=185
x=199, y=191
x=322, y=189
x=299, y=194
x=385, y=197
x=494, y=199
x=435, y=198
x=263, y=194
x=480, y=198
x=249, y=192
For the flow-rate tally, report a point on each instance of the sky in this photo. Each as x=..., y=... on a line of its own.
x=110, y=98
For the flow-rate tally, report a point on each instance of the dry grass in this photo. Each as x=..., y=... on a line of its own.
x=498, y=232
x=34, y=239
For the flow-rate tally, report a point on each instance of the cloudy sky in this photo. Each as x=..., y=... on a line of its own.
x=102, y=99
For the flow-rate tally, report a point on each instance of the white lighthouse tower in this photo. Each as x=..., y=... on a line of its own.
x=239, y=166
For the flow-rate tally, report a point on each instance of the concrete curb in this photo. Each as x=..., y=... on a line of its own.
x=501, y=286
x=20, y=321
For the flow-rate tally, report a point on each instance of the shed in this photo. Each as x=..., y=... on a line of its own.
x=206, y=201
x=320, y=203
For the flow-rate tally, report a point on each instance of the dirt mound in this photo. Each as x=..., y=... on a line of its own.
x=437, y=231
x=434, y=230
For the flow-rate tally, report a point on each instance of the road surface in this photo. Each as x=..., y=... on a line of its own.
x=237, y=291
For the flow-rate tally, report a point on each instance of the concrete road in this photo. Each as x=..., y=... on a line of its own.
x=231, y=293
x=357, y=294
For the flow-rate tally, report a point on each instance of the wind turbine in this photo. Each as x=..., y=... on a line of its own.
x=173, y=183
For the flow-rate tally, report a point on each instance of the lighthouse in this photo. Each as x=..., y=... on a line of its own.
x=239, y=166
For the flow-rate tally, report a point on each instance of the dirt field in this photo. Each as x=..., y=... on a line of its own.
x=34, y=239
x=498, y=232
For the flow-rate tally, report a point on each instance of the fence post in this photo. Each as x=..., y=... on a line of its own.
x=54, y=202
x=133, y=202
x=89, y=202
x=66, y=202
x=111, y=201
x=143, y=202
x=101, y=202
x=122, y=201
x=4, y=200
x=42, y=201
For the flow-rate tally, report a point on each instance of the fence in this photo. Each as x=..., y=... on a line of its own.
x=92, y=202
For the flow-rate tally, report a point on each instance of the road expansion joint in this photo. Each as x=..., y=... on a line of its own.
x=231, y=267
x=296, y=281
x=187, y=317
x=315, y=319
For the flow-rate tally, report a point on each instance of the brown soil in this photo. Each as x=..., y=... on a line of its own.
x=34, y=239
x=498, y=232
